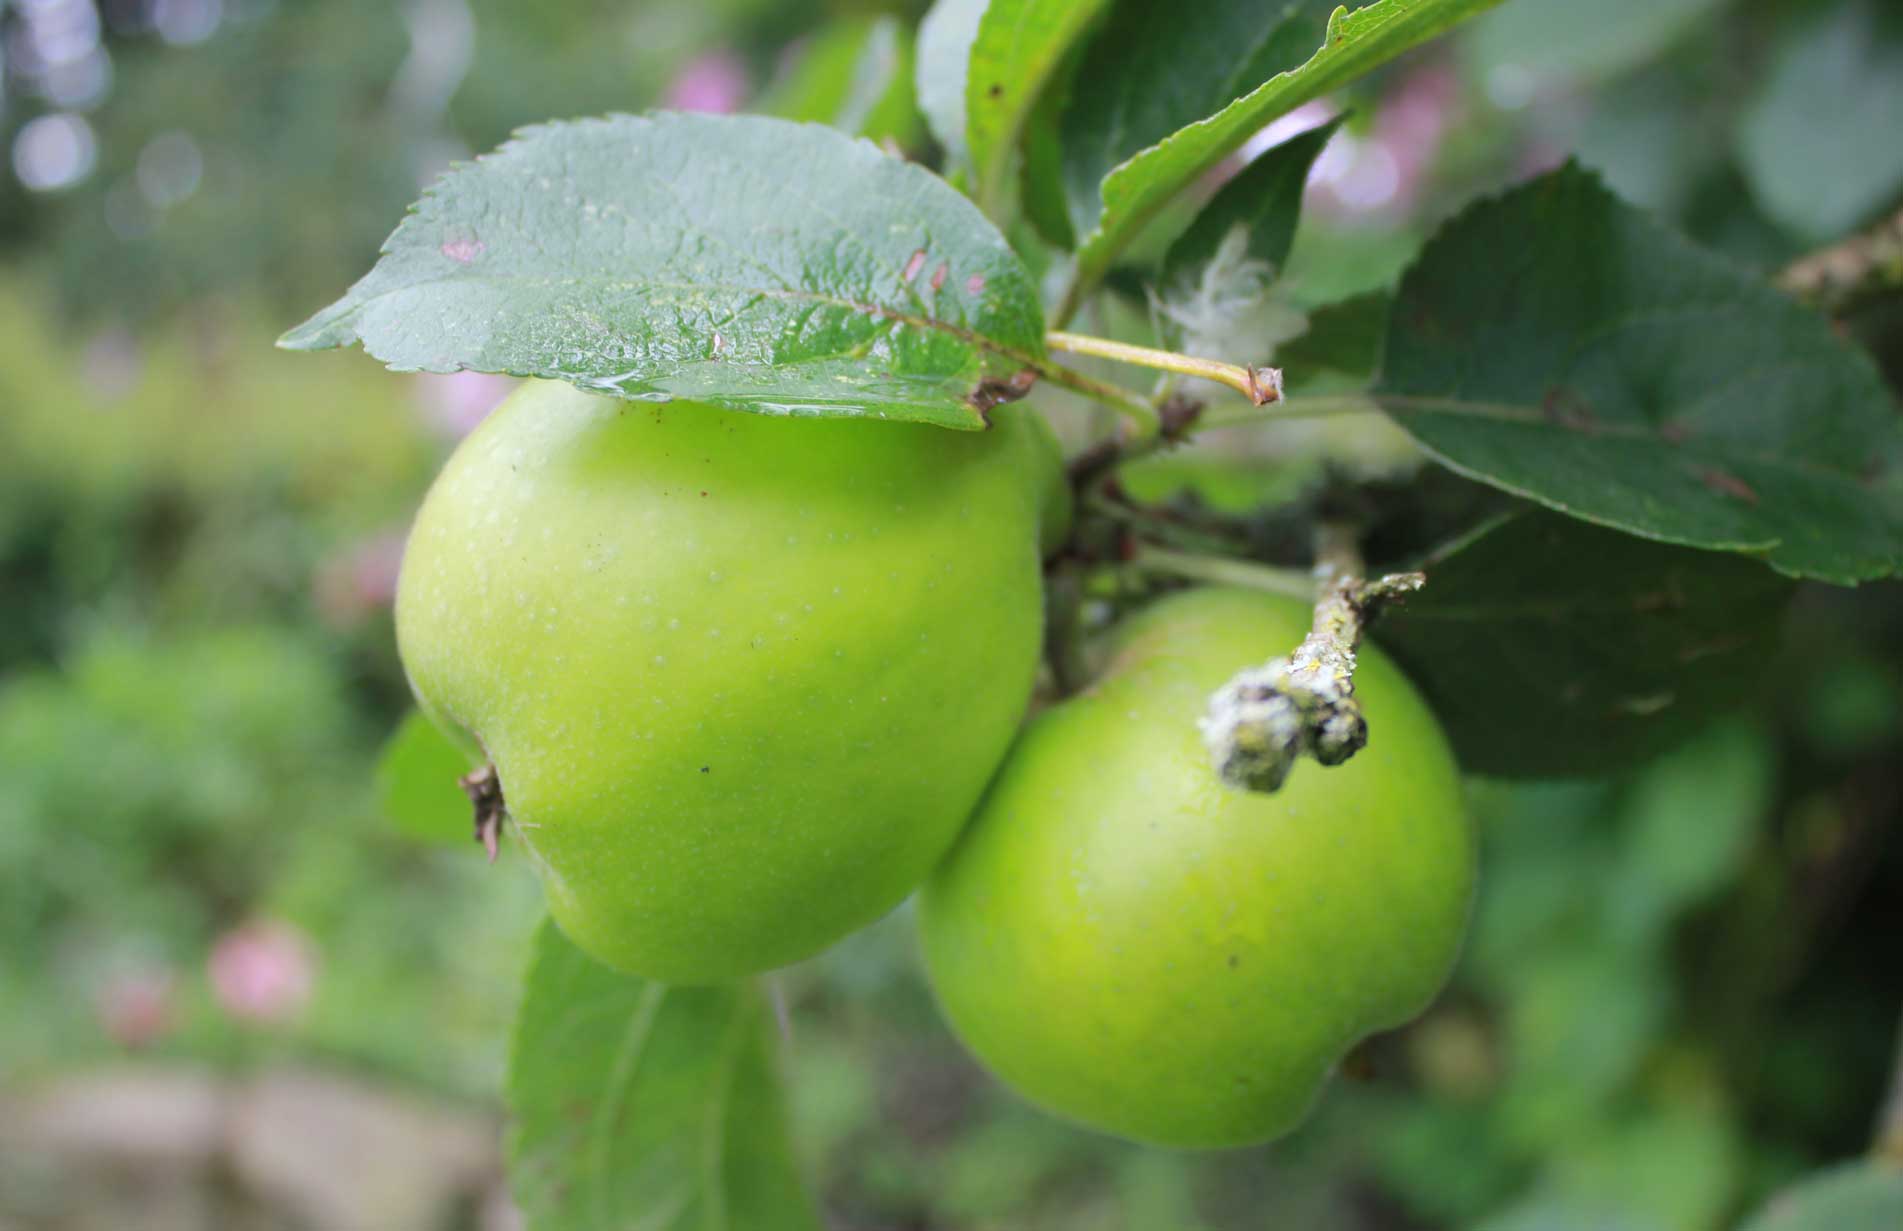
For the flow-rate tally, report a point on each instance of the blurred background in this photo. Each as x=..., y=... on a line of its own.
x=228, y=982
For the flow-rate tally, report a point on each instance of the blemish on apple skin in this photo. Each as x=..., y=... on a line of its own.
x=462, y=251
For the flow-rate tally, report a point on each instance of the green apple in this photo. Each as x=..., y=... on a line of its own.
x=1135, y=946
x=742, y=677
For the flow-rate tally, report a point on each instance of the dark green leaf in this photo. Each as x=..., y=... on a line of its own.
x=761, y=265
x=1342, y=344
x=416, y=782
x=1530, y=40
x=1168, y=91
x=1562, y=346
x=1551, y=647
x=1817, y=157
x=638, y=1104
x=1265, y=199
x=1853, y=1197
x=1018, y=47
x=1041, y=170
x=944, y=60
x=856, y=75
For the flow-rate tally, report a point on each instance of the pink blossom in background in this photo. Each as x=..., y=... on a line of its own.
x=262, y=972
x=112, y=365
x=138, y=1006
x=1539, y=156
x=716, y=81
x=454, y=404
x=360, y=580
x=1382, y=170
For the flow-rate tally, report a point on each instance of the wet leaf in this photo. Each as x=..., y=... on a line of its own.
x=750, y=262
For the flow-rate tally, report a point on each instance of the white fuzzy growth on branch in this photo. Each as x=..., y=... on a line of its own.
x=1263, y=720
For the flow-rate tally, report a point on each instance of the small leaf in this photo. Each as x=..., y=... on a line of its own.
x=1813, y=163
x=1169, y=91
x=1551, y=647
x=1018, y=47
x=1851, y=1197
x=855, y=75
x=1563, y=346
x=944, y=59
x=416, y=782
x=757, y=264
x=1265, y=198
x=637, y=1104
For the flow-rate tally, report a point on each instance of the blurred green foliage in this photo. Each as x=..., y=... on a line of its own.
x=1681, y=990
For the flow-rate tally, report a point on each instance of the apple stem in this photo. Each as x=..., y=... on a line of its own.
x=1265, y=718
x=484, y=789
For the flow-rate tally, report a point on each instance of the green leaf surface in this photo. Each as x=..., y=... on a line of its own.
x=638, y=1104
x=855, y=75
x=1852, y=1197
x=1528, y=40
x=416, y=782
x=1724, y=777
x=1018, y=47
x=1342, y=345
x=1551, y=647
x=1565, y=347
x=754, y=263
x=945, y=37
x=1168, y=91
x=1265, y=199
x=1041, y=167
x=1812, y=148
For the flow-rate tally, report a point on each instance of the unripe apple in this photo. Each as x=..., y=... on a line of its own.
x=742, y=677
x=1135, y=946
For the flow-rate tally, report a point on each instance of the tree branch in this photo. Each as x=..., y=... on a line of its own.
x=1265, y=718
x=1846, y=273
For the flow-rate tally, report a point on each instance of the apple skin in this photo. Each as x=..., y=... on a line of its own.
x=742, y=677
x=1140, y=949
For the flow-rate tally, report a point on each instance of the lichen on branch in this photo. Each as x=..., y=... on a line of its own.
x=1263, y=720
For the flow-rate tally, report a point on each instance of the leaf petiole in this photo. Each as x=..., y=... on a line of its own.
x=1261, y=386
